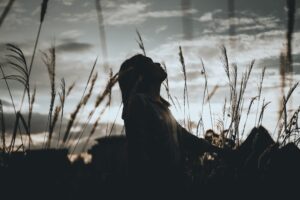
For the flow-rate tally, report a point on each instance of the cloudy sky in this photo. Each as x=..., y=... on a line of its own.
x=251, y=30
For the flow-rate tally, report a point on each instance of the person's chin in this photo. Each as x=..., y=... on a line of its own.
x=164, y=76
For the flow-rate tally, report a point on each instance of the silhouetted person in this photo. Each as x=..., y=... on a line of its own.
x=155, y=140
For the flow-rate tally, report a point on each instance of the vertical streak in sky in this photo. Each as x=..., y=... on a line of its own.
x=291, y=5
x=102, y=34
x=231, y=19
x=6, y=10
x=187, y=26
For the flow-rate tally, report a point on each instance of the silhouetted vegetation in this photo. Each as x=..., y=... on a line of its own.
x=252, y=165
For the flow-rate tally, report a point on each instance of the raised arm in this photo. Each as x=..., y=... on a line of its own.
x=193, y=144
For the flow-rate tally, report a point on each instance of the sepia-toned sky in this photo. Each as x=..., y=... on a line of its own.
x=252, y=30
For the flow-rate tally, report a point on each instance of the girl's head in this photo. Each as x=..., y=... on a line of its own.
x=139, y=73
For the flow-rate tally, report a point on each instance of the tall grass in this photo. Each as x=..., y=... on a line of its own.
x=283, y=116
x=167, y=87
x=185, y=91
x=261, y=115
x=6, y=11
x=99, y=99
x=85, y=100
x=140, y=42
x=49, y=59
x=82, y=102
x=260, y=91
x=17, y=61
x=236, y=100
x=248, y=112
x=2, y=121
x=236, y=94
x=205, y=92
x=42, y=17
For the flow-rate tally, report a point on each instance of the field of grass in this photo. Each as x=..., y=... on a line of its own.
x=229, y=128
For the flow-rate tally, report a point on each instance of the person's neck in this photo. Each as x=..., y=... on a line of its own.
x=154, y=92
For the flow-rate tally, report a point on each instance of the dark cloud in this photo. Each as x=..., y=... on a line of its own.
x=74, y=47
x=39, y=125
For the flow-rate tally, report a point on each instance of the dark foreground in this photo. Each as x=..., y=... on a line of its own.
x=258, y=169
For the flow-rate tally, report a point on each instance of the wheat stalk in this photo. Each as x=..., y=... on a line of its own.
x=260, y=90
x=140, y=42
x=6, y=11
x=42, y=17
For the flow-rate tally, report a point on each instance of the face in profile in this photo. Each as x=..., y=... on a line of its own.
x=154, y=71
x=142, y=70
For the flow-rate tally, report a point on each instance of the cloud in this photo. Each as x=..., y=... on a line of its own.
x=161, y=29
x=68, y=2
x=217, y=21
x=136, y=13
x=169, y=13
x=74, y=47
x=71, y=34
x=125, y=14
x=206, y=17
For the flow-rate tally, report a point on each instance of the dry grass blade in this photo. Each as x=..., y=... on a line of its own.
x=261, y=115
x=11, y=98
x=49, y=59
x=205, y=93
x=200, y=124
x=43, y=10
x=88, y=95
x=140, y=42
x=284, y=110
x=70, y=88
x=113, y=125
x=74, y=114
x=19, y=117
x=248, y=112
x=112, y=81
x=95, y=125
x=225, y=61
x=107, y=92
x=84, y=98
x=17, y=61
x=260, y=90
x=89, y=78
x=285, y=100
x=8, y=88
x=30, y=113
x=240, y=99
x=167, y=87
x=60, y=108
x=2, y=121
x=211, y=94
x=6, y=11
x=42, y=17
x=185, y=90
x=293, y=129
x=236, y=96
x=71, y=121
